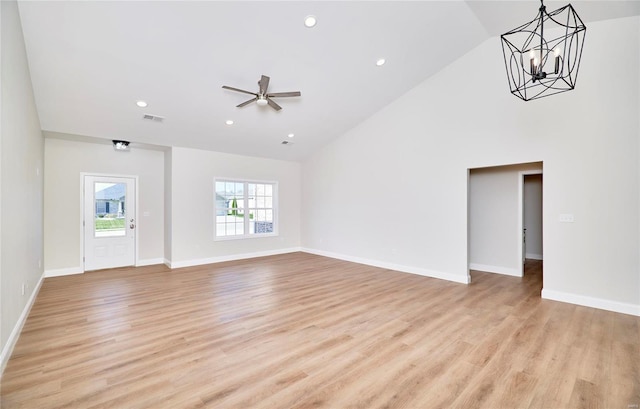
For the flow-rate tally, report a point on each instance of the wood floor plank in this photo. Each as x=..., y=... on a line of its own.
x=304, y=331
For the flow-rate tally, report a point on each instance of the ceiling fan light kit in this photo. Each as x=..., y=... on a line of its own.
x=540, y=63
x=262, y=98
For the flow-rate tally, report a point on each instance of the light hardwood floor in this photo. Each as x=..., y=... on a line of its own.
x=303, y=331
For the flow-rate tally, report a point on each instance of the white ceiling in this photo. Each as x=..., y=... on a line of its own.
x=91, y=61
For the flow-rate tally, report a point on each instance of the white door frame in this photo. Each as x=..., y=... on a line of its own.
x=82, y=215
x=521, y=176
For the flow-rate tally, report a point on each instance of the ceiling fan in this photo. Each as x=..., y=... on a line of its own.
x=261, y=97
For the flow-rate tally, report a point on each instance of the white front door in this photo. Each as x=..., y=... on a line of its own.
x=109, y=222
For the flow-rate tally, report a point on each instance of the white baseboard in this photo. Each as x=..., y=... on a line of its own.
x=15, y=333
x=150, y=262
x=231, y=257
x=600, y=303
x=63, y=272
x=533, y=256
x=78, y=270
x=495, y=269
x=391, y=266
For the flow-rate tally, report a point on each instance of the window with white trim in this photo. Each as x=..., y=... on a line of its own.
x=245, y=209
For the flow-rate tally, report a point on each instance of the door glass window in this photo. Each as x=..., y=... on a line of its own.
x=110, y=205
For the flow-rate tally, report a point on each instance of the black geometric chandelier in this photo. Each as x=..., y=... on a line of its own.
x=542, y=57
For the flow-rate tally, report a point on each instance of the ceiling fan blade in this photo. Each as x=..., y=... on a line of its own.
x=239, y=90
x=247, y=102
x=264, y=84
x=274, y=105
x=284, y=94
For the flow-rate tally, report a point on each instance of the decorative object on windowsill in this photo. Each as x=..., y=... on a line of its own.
x=542, y=57
x=120, y=145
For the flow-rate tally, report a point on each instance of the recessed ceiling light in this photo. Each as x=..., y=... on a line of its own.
x=229, y=122
x=291, y=135
x=142, y=104
x=381, y=62
x=310, y=21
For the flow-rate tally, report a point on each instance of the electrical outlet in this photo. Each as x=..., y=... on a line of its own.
x=24, y=288
x=39, y=263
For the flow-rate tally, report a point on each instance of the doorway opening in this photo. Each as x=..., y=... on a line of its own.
x=530, y=206
x=502, y=202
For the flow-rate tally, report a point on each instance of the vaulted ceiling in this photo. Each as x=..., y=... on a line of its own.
x=91, y=62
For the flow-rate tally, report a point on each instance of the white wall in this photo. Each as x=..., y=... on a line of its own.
x=193, y=173
x=533, y=216
x=417, y=151
x=64, y=161
x=494, y=237
x=21, y=163
x=168, y=200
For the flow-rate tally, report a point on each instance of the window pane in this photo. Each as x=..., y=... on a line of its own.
x=109, y=203
x=233, y=199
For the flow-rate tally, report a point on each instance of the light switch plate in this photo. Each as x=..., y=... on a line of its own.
x=566, y=218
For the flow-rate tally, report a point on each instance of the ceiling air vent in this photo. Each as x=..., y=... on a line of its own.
x=155, y=118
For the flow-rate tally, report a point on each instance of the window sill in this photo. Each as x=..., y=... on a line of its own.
x=246, y=236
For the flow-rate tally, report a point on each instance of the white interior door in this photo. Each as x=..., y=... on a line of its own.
x=109, y=222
